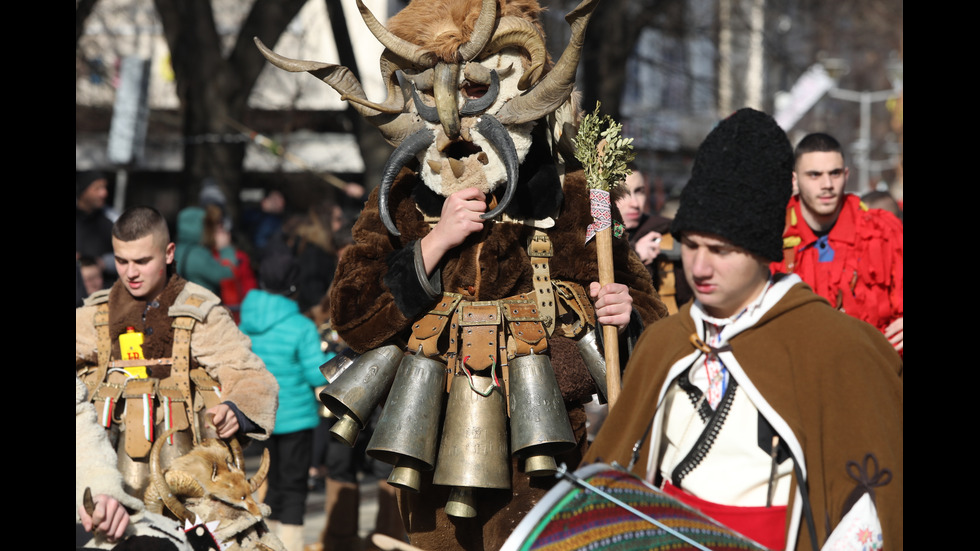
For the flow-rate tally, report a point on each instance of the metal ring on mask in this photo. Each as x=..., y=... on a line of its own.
x=500, y=139
x=403, y=154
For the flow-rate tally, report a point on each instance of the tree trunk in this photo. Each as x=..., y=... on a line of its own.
x=214, y=90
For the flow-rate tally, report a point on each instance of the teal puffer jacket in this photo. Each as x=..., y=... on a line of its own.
x=289, y=344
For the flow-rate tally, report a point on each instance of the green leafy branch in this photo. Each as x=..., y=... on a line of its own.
x=603, y=151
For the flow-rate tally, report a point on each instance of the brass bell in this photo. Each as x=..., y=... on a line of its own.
x=539, y=426
x=332, y=368
x=594, y=361
x=473, y=452
x=359, y=389
x=408, y=429
x=461, y=503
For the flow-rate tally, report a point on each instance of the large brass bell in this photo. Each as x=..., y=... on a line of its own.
x=596, y=364
x=473, y=452
x=408, y=430
x=355, y=393
x=539, y=427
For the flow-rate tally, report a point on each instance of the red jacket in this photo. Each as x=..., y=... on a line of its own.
x=865, y=277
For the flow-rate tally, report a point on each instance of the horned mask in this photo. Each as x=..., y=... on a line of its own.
x=466, y=85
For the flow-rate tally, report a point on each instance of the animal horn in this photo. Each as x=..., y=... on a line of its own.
x=516, y=31
x=261, y=474
x=236, y=451
x=159, y=489
x=402, y=155
x=445, y=90
x=497, y=135
x=555, y=88
x=404, y=49
x=474, y=106
x=482, y=31
x=388, y=117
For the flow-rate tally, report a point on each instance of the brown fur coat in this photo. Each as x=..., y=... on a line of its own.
x=376, y=296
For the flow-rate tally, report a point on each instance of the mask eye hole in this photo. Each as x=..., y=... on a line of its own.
x=474, y=91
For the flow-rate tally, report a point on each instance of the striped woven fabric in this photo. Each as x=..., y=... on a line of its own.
x=572, y=517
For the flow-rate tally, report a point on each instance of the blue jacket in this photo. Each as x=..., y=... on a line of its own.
x=194, y=261
x=289, y=344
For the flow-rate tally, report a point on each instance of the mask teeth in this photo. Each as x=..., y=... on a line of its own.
x=457, y=167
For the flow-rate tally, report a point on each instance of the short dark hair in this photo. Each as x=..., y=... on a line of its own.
x=817, y=142
x=87, y=261
x=138, y=222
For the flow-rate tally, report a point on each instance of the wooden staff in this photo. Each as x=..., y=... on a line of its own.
x=604, y=161
x=610, y=333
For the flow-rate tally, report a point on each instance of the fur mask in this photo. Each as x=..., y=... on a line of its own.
x=467, y=82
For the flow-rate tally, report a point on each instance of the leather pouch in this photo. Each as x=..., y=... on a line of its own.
x=525, y=327
x=140, y=396
x=479, y=331
x=428, y=330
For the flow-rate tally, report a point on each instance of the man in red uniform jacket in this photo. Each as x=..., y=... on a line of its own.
x=849, y=254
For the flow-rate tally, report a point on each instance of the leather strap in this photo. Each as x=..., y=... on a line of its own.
x=576, y=314
x=540, y=250
x=479, y=329
x=93, y=378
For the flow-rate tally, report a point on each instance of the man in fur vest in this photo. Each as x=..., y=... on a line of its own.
x=158, y=352
x=472, y=256
x=759, y=404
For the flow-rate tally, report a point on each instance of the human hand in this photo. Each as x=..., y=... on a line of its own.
x=648, y=247
x=353, y=190
x=460, y=218
x=895, y=333
x=224, y=419
x=109, y=517
x=613, y=304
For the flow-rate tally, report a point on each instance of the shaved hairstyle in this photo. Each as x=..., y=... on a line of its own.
x=138, y=222
x=817, y=142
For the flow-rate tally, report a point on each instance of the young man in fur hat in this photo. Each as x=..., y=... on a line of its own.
x=157, y=347
x=758, y=403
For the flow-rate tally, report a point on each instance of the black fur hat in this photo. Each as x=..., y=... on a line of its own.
x=740, y=184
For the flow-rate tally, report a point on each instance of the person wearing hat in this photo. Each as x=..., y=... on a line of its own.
x=758, y=403
x=93, y=221
x=289, y=344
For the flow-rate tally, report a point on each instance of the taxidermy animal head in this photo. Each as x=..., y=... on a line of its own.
x=467, y=81
x=210, y=470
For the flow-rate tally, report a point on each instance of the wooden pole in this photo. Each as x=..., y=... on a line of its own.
x=610, y=333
